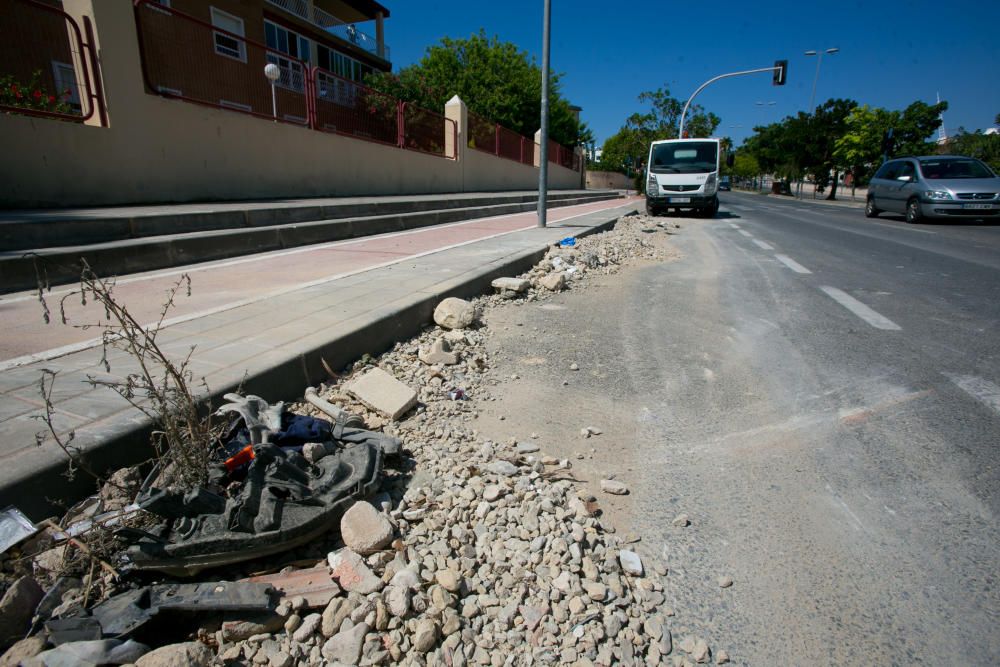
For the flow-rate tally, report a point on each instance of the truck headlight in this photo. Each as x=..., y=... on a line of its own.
x=711, y=183
x=651, y=185
x=937, y=195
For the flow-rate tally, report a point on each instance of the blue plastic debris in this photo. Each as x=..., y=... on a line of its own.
x=567, y=242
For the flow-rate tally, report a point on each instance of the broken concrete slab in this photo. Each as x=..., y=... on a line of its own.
x=383, y=393
x=439, y=353
x=512, y=284
x=554, y=282
x=351, y=573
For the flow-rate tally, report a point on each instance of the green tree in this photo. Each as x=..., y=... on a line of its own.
x=495, y=79
x=745, y=165
x=985, y=147
x=859, y=149
x=626, y=150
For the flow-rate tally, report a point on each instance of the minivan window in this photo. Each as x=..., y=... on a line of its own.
x=888, y=170
x=906, y=169
x=952, y=168
x=694, y=157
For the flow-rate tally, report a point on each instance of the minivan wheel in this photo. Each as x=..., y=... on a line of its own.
x=870, y=210
x=913, y=214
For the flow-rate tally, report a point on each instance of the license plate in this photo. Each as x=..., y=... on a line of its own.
x=680, y=200
x=980, y=206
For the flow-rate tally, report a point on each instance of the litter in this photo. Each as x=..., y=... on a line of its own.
x=14, y=527
x=457, y=395
x=567, y=242
x=262, y=501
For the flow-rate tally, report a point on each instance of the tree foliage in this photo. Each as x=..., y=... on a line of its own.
x=859, y=150
x=985, y=147
x=628, y=147
x=841, y=136
x=495, y=79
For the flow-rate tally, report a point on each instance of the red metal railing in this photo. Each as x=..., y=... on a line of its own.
x=490, y=137
x=482, y=134
x=427, y=131
x=189, y=59
x=493, y=138
x=563, y=156
x=346, y=107
x=46, y=65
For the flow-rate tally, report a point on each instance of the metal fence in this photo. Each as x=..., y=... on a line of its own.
x=490, y=137
x=493, y=138
x=45, y=63
x=186, y=58
x=564, y=157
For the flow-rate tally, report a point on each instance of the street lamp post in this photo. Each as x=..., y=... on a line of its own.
x=543, y=149
x=812, y=97
x=819, y=61
x=273, y=73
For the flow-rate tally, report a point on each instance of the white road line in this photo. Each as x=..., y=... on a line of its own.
x=861, y=310
x=734, y=226
x=792, y=264
x=746, y=233
x=763, y=246
x=982, y=390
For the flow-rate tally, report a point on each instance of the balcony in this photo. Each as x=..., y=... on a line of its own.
x=327, y=22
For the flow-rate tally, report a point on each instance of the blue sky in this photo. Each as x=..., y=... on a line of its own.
x=891, y=53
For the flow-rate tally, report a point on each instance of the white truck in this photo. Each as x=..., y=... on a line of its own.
x=683, y=174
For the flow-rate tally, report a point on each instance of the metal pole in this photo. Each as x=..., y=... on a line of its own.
x=680, y=128
x=812, y=98
x=274, y=102
x=543, y=150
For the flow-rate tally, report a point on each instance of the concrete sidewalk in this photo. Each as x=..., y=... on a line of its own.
x=273, y=346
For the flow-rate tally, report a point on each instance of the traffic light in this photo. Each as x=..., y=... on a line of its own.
x=780, y=72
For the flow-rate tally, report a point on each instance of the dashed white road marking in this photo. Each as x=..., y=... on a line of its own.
x=792, y=264
x=861, y=310
x=982, y=390
x=746, y=233
x=763, y=245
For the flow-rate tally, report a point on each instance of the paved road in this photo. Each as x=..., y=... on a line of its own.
x=821, y=394
x=829, y=411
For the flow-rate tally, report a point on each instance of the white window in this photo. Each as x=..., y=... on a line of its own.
x=227, y=45
x=67, y=90
x=285, y=41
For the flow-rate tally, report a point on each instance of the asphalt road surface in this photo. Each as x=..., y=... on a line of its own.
x=820, y=393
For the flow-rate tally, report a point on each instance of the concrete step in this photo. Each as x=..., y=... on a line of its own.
x=218, y=236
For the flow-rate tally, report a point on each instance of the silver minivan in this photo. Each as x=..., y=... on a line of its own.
x=935, y=186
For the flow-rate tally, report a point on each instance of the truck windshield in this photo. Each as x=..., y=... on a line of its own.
x=689, y=157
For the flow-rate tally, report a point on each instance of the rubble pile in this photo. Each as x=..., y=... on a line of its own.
x=473, y=552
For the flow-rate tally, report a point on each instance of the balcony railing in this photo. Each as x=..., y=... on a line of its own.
x=331, y=24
